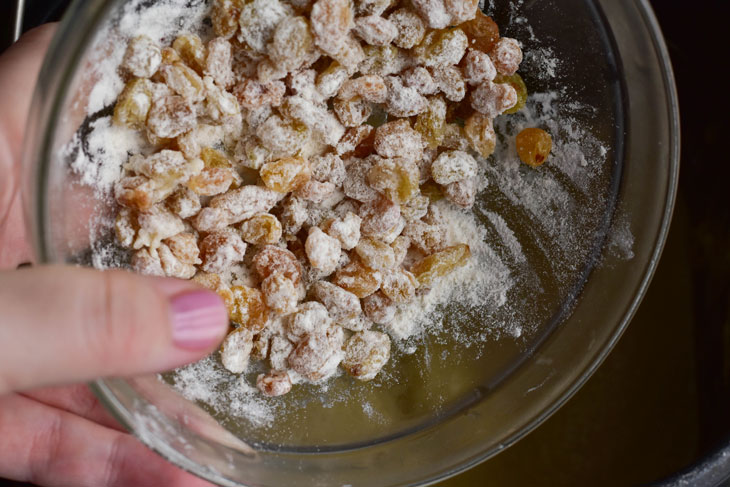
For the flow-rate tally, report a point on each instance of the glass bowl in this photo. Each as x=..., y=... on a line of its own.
x=591, y=227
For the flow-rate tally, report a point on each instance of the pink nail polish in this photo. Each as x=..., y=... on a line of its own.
x=198, y=319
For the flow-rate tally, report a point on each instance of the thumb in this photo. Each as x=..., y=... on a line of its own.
x=63, y=325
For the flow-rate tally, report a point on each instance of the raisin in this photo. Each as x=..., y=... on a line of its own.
x=262, y=229
x=416, y=208
x=355, y=142
x=442, y=48
x=400, y=286
x=516, y=82
x=236, y=350
x=411, y=28
x=322, y=250
x=292, y=43
x=506, y=55
x=450, y=82
x=421, y=80
x=225, y=17
x=345, y=229
x=219, y=62
x=461, y=10
x=358, y=279
x=143, y=57
x=479, y=131
x=286, y=174
x=366, y=353
x=275, y=260
x=462, y=193
x=275, y=383
x=430, y=124
x=379, y=217
x=375, y=30
x=429, y=269
x=191, y=51
x=452, y=166
x=134, y=104
x=252, y=94
x=478, y=67
x=375, y=254
x=482, y=31
x=258, y=21
x=352, y=112
x=280, y=294
x=283, y=136
x=369, y=87
x=170, y=116
x=403, y=101
x=221, y=250
x=355, y=185
x=311, y=317
x=396, y=178
x=534, y=146
x=493, y=99
x=184, y=246
x=341, y=304
x=248, y=308
x=382, y=60
x=379, y=308
x=433, y=12
x=398, y=139
x=331, y=23
x=317, y=356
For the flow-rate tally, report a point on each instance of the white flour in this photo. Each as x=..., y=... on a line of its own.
x=549, y=205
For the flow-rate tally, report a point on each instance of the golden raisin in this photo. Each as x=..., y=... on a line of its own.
x=262, y=229
x=429, y=269
x=375, y=254
x=192, y=51
x=534, y=146
x=292, y=43
x=184, y=81
x=400, y=286
x=397, y=178
x=275, y=260
x=442, y=47
x=331, y=22
x=358, y=279
x=482, y=31
x=225, y=17
x=134, y=104
x=411, y=28
x=170, y=116
x=211, y=181
x=518, y=84
x=280, y=294
x=379, y=308
x=479, y=131
x=366, y=353
x=247, y=308
x=286, y=174
x=430, y=124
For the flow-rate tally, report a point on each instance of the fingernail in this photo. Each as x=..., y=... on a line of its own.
x=198, y=319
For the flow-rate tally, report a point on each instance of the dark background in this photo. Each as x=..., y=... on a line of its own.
x=661, y=401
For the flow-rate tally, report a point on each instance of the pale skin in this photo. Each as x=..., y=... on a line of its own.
x=62, y=325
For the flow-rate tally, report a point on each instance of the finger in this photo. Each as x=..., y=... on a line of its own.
x=50, y=447
x=78, y=400
x=19, y=67
x=66, y=325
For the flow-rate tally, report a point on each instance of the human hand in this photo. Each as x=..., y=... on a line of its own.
x=63, y=325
